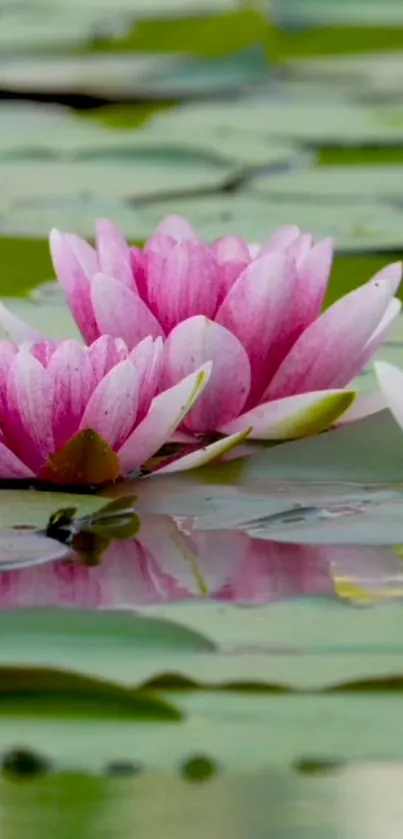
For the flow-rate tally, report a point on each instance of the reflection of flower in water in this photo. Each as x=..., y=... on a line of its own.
x=169, y=561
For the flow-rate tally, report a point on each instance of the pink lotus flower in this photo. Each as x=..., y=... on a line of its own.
x=279, y=366
x=73, y=414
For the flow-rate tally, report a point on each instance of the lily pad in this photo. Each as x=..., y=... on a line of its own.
x=317, y=795
x=343, y=183
x=311, y=120
x=49, y=316
x=376, y=75
x=344, y=13
x=368, y=225
x=34, y=509
x=19, y=549
x=129, y=76
x=146, y=173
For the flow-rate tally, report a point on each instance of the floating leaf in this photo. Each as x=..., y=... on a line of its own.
x=20, y=549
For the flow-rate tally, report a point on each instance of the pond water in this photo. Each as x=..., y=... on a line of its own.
x=221, y=653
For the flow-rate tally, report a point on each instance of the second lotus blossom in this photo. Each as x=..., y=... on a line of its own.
x=279, y=366
x=71, y=414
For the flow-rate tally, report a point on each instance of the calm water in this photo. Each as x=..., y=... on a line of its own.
x=243, y=117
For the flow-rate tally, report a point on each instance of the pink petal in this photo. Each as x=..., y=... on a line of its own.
x=114, y=255
x=232, y=255
x=139, y=270
x=73, y=379
x=365, y=405
x=105, y=353
x=120, y=312
x=228, y=275
x=166, y=413
x=230, y=249
x=313, y=278
x=112, y=408
x=280, y=240
x=257, y=310
x=377, y=338
x=11, y=466
x=294, y=416
x=27, y=422
x=148, y=359
x=390, y=380
x=300, y=247
x=181, y=437
x=75, y=262
x=392, y=273
x=158, y=243
x=16, y=329
x=183, y=284
x=195, y=341
x=44, y=350
x=205, y=454
x=323, y=355
x=177, y=227
x=7, y=353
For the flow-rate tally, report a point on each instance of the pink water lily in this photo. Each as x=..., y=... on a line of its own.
x=74, y=414
x=280, y=366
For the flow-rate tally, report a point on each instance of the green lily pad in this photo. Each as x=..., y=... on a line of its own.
x=318, y=796
x=343, y=183
x=377, y=75
x=233, y=142
x=19, y=549
x=50, y=316
x=146, y=173
x=345, y=13
x=34, y=509
x=311, y=120
x=357, y=226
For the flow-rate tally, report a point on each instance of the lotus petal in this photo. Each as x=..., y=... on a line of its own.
x=166, y=413
x=294, y=416
x=195, y=341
